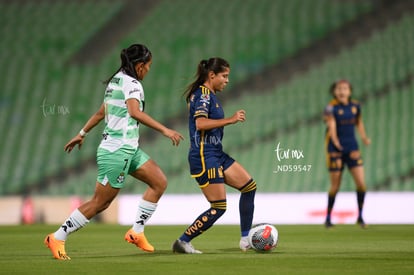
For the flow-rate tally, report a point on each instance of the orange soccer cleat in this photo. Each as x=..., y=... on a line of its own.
x=139, y=240
x=57, y=247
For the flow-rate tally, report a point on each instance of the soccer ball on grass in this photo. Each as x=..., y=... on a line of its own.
x=263, y=237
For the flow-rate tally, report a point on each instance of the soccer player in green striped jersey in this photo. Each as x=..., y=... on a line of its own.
x=119, y=153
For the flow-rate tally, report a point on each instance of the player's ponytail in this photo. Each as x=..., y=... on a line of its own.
x=215, y=64
x=130, y=56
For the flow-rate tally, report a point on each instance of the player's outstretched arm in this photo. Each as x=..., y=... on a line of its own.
x=330, y=121
x=91, y=123
x=147, y=120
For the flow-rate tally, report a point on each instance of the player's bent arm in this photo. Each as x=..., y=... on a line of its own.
x=330, y=121
x=144, y=118
x=203, y=123
x=92, y=122
x=361, y=130
x=95, y=119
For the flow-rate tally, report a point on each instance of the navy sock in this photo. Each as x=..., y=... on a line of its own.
x=205, y=220
x=360, y=200
x=331, y=202
x=246, y=206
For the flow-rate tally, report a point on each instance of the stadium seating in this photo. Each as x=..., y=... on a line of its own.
x=40, y=89
x=178, y=40
x=303, y=99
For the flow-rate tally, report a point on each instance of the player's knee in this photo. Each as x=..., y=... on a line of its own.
x=334, y=188
x=218, y=208
x=249, y=186
x=361, y=188
x=160, y=185
x=332, y=192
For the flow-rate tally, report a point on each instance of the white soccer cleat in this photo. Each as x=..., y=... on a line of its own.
x=184, y=247
x=244, y=244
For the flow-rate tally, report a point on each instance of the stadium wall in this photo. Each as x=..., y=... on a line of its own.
x=281, y=208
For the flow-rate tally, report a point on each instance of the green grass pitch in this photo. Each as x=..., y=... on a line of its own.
x=302, y=249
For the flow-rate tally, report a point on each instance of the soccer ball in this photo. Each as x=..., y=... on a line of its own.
x=263, y=237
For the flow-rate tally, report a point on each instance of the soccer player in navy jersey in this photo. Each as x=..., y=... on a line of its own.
x=209, y=165
x=342, y=115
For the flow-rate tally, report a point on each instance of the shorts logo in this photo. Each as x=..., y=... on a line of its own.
x=220, y=172
x=121, y=177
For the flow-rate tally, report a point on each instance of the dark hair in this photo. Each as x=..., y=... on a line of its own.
x=136, y=53
x=333, y=86
x=214, y=64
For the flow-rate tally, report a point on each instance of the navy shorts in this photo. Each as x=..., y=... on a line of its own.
x=336, y=161
x=209, y=168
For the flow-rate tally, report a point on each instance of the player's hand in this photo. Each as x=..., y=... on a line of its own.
x=366, y=140
x=239, y=116
x=337, y=145
x=175, y=136
x=77, y=140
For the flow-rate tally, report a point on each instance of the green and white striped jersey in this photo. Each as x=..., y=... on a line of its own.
x=121, y=130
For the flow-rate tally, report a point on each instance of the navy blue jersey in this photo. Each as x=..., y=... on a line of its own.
x=204, y=103
x=206, y=157
x=346, y=117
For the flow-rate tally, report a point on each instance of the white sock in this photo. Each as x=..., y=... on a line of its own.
x=75, y=222
x=145, y=211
